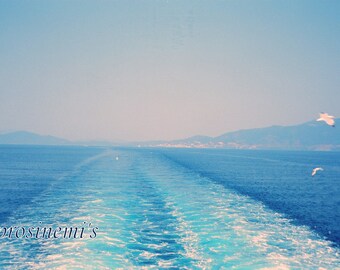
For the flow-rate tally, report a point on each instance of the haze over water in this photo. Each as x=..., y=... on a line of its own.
x=153, y=70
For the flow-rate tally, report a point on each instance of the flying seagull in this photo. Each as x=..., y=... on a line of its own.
x=329, y=119
x=315, y=170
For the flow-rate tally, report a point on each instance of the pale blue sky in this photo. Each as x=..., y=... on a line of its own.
x=142, y=70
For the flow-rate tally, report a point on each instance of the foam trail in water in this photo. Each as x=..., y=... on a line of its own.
x=235, y=230
x=154, y=213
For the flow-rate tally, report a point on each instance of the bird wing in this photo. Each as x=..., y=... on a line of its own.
x=315, y=170
x=330, y=121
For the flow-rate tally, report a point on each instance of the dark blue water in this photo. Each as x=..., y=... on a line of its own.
x=26, y=171
x=280, y=179
x=171, y=208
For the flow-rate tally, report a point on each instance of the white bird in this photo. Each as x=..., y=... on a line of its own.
x=315, y=170
x=117, y=158
x=329, y=119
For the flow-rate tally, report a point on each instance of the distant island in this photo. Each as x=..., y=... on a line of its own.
x=30, y=138
x=307, y=136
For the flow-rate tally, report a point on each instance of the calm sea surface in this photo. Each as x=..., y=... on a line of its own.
x=170, y=208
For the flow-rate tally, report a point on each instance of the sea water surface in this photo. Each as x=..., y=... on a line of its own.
x=171, y=208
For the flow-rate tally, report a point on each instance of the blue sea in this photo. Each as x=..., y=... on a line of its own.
x=170, y=208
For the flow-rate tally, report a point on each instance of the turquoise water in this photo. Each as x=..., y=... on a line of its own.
x=280, y=179
x=151, y=211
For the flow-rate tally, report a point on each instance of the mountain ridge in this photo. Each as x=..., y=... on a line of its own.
x=30, y=138
x=310, y=135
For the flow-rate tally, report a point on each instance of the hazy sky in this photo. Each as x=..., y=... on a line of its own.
x=141, y=70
